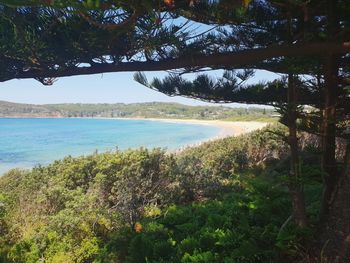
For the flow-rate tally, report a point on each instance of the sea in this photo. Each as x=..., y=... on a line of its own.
x=27, y=142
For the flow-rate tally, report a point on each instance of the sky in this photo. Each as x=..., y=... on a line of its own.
x=100, y=88
x=106, y=88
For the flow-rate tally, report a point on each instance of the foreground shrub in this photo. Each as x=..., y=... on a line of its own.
x=224, y=201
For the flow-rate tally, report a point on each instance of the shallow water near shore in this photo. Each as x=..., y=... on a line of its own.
x=25, y=143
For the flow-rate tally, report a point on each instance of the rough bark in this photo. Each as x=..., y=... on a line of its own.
x=295, y=185
x=329, y=116
x=335, y=213
x=328, y=135
x=335, y=236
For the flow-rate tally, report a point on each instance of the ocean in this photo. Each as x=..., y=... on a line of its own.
x=25, y=143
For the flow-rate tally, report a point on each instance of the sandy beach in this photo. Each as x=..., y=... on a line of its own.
x=228, y=128
x=223, y=129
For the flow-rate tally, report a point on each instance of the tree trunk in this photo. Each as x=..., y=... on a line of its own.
x=335, y=236
x=335, y=211
x=331, y=91
x=295, y=185
x=328, y=135
x=331, y=69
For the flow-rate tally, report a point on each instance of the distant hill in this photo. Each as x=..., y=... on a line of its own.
x=141, y=110
x=10, y=109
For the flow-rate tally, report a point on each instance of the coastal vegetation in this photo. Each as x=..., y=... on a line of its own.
x=136, y=110
x=306, y=42
x=224, y=201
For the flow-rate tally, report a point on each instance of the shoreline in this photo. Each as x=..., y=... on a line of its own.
x=226, y=129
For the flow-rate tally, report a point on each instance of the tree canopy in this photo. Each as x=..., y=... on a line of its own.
x=49, y=39
x=307, y=41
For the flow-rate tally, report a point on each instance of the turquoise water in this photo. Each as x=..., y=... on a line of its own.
x=25, y=143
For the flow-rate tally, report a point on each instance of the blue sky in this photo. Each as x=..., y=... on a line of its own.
x=101, y=88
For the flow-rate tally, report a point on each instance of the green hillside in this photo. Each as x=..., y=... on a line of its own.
x=143, y=110
x=10, y=109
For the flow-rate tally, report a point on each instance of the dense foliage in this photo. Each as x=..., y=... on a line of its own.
x=224, y=201
x=48, y=39
x=305, y=40
x=143, y=110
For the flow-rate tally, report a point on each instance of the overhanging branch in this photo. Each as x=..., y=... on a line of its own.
x=240, y=59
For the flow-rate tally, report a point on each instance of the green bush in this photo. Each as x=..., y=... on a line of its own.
x=224, y=201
